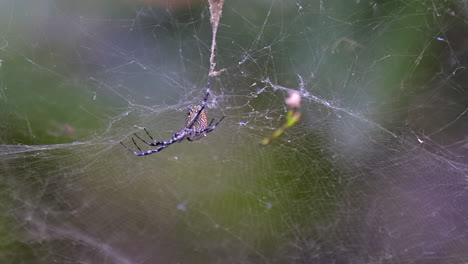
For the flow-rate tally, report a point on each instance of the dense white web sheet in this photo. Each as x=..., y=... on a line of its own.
x=374, y=172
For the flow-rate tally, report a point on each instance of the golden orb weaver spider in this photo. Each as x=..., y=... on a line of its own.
x=196, y=127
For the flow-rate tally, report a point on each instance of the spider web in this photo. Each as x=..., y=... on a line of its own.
x=374, y=172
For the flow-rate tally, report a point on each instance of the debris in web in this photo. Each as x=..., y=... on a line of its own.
x=216, y=10
x=293, y=116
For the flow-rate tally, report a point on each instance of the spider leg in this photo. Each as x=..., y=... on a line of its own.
x=211, y=122
x=151, y=151
x=154, y=143
x=144, y=141
x=154, y=140
x=211, y=128
x=129, y=149
x=143, y=153
x=134, y=143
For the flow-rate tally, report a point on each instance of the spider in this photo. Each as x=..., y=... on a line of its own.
x=196, y=127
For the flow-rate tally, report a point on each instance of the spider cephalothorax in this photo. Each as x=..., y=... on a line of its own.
x=196, y=127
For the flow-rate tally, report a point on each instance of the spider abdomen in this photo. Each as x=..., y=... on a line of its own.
x=200, y=123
